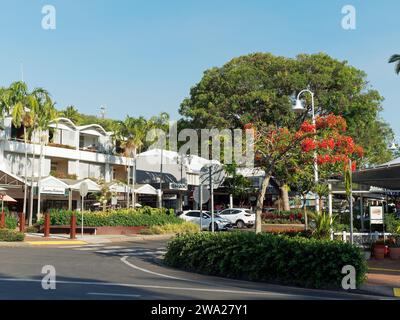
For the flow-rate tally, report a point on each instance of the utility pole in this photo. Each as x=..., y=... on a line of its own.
x=351, y=204
x=211, y=199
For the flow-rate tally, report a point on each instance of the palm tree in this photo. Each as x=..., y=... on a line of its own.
x=132, y=132
x=18, y=101
x=72, y=114
x=395, y=59
x=45, y=113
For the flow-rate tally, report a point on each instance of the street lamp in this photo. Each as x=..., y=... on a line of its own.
x=393, y=146
x=299, y=108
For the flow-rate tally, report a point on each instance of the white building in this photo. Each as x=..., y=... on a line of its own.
x=73, y=154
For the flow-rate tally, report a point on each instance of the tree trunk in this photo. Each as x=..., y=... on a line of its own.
x=32, y=185
x=134, y=180
x=305, y=210
x=128, y=173
x=40, y=174
x=25, y=173
x=260, y=202
x=285, y=197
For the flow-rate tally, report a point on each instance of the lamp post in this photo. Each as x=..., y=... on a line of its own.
x=298, y=107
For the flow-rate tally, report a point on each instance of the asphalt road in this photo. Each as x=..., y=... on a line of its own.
x=129, y=270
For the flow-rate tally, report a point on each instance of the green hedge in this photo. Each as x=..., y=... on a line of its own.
x=266, y=257
x=11, y=222
x=127, y=218
x=11, y=235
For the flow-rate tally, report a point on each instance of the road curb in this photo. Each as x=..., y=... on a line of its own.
x=378, y=290
x=30, y=243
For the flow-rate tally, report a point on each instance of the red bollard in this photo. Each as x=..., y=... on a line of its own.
x=3, y=220
x=47, y=225
x=73, y=227
x=22, y=222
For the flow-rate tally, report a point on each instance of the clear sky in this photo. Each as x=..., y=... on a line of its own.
x=142, y=57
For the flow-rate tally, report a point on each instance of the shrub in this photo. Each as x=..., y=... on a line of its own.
x=11, y=235
x=392, y=223
x=128, y=218
x=11, y=222
x=283, y=217
x=185, y=227
x=266, y=257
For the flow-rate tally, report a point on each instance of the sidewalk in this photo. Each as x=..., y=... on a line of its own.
x=38, y=239
x=383, y=277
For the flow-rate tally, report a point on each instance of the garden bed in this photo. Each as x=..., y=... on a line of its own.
x=279, y=228
x=267, y=257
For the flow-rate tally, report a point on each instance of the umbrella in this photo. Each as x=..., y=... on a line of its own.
x=5, y=198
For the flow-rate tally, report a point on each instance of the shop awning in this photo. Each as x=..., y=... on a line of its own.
x=145, y=189
x=385, y=176
x=76, y=184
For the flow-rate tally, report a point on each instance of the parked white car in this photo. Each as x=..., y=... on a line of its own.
x=239, y=217
x=194, y=217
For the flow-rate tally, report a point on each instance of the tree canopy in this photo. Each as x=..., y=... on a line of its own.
x=260, y=87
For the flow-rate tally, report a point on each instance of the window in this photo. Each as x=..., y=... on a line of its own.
x=195, y=214
x=226, y=211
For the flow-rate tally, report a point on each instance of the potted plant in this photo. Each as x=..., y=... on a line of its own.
x=379, y=249
x=394, y=248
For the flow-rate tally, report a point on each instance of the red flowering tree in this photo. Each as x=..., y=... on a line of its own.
x=279, y=150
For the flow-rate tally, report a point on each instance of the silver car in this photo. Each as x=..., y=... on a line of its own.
x=194, y=217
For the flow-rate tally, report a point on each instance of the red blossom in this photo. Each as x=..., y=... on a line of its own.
x=307, y=127
x=308, y=145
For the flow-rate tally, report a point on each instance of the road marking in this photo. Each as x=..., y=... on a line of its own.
x=123, y=259
x=116, y=250
x=60, y=242
x=383, y=269
x=128, y=285
x=396, y=292
x=113, y=294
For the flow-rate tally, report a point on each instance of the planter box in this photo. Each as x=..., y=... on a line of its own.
x=271, y=227
x=96, y=230
x=118, y=230
x=394, y=253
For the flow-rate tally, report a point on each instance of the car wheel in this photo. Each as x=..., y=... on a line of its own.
x=240, y=224
x=215, y=227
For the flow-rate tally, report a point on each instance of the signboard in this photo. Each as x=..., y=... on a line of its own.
x=52, y=190
x=170, y=196
x=205, y=195
x=376, y=214
x=217, y=175
x=84, y=189
x=178, y=186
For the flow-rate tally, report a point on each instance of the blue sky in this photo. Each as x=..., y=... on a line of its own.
x=142, y=57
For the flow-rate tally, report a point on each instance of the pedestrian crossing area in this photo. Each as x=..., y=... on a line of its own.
x=120, y=250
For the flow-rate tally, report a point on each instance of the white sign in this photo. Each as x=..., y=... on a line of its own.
x=217, y=175
x=52, y=190
x=376, y=214
x=84, y=189
x=205, y=194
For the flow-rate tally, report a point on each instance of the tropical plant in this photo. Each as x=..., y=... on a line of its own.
x=71, y=113
x=131, y=134
x=322, y=224
x=42, y=107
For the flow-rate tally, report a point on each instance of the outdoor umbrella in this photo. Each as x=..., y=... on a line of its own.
x=5, y=198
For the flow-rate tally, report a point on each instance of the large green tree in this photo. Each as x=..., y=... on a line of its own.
x=260, y=87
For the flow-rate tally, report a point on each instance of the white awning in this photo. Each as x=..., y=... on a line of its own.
x=52, y=185
x=146, y=189
x=76, y=184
